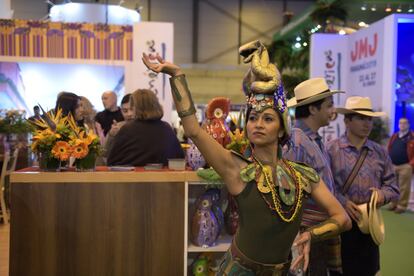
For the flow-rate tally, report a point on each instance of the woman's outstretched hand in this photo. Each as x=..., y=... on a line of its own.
x=161, y=66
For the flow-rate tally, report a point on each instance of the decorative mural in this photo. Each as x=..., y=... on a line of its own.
x=41, y=39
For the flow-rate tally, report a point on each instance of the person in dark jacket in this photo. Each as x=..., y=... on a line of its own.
x=147, y=139
x=401, y=150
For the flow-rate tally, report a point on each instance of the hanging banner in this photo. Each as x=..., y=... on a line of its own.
x=151, y=38
x=365, y=63
x=42, y=39
x=327, y=61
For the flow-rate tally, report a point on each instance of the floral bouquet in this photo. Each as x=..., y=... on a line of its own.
x=238, y=141
x=13, y=122
x=58, y=138
x=85, y=146
x=51, y=140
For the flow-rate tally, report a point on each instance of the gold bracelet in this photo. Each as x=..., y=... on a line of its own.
x=324, y=230
x=182, y=96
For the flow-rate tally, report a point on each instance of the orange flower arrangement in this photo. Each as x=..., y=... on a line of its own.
x=62, y=150
x=80, y=150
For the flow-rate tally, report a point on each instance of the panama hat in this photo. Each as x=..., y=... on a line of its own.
x=359, y=105
x=371, y=221
x=363, y=222
x=376, y=221
x=310, y=91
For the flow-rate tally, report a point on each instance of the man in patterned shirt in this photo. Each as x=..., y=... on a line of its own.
x=314, y=109
x=360, y=254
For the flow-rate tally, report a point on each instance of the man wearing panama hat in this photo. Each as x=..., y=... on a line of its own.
x=313, y=103
x=361, y=166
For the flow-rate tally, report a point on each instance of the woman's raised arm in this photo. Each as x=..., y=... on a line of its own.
x=219, y=158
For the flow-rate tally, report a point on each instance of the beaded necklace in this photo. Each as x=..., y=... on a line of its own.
x=265, y=184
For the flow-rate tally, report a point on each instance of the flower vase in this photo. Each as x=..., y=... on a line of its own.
x=86, y=164
x=48, y=163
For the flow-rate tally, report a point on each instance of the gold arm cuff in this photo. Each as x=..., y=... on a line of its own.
x=182, y=96
x=325, y=230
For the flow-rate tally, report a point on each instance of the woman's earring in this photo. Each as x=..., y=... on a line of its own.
x=281, y=134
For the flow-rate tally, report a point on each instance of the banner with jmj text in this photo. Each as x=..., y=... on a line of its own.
x=151, y=38
x=352, y=63
x=327, y=60
x=364, y=71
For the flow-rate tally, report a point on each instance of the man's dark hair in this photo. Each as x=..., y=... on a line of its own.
x=303, y=111
x=126, y=99
x=36, y=107
x=349, y=116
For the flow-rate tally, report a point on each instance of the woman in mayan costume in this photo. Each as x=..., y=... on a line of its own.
x=269, y=190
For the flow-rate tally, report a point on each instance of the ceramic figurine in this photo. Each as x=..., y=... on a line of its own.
x=194, y=158
x=218, y=212
x=216, y=113
x=204, y=226
x=203, y=265
x=200, y=267
x=231, y=216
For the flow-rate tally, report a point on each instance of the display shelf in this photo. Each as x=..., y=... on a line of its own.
x=222, y=245
x=205, y=183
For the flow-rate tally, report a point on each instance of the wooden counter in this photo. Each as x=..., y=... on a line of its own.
x=98, y=223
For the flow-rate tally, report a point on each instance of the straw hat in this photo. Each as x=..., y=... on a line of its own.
x=376, y=222
x=359, y=105
x=310, y=91
x=371, y=221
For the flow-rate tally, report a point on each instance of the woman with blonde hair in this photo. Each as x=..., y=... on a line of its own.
x=88, y=113
x=146, y=139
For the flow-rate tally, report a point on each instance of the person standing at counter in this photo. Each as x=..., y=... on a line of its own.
x=269, y=190
x=146, y=139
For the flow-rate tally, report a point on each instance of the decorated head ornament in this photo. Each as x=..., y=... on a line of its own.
x=262, y=84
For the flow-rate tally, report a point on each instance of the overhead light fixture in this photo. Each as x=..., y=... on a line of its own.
x=399, y=9
x=364, y=7
x=410, y=9
x=342, y=32
x=305, y=44
x=297, y=45
x=362, y=24
x=298, y=38
x=388, y=8
x=374, y=8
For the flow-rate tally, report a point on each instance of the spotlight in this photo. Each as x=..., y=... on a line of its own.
x=388, y=8
x=399, y=9
x=364, y=7
x=305, y=44
x=373, y=8
x=298, y=38
x=318, y=27
x=342, y=32
x=410, y=9
x=362, y=24
x=297, y=45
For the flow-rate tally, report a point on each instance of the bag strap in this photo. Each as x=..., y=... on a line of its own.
x=355, y=170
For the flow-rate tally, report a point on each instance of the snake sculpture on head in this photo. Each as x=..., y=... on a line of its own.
x=262, y=76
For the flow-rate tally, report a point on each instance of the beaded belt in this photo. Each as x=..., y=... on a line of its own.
x=259, y=268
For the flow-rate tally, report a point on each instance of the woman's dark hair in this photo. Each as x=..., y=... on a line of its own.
x=68, y=102
x=126, y=99
x=303, y=111
x=146, y=104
